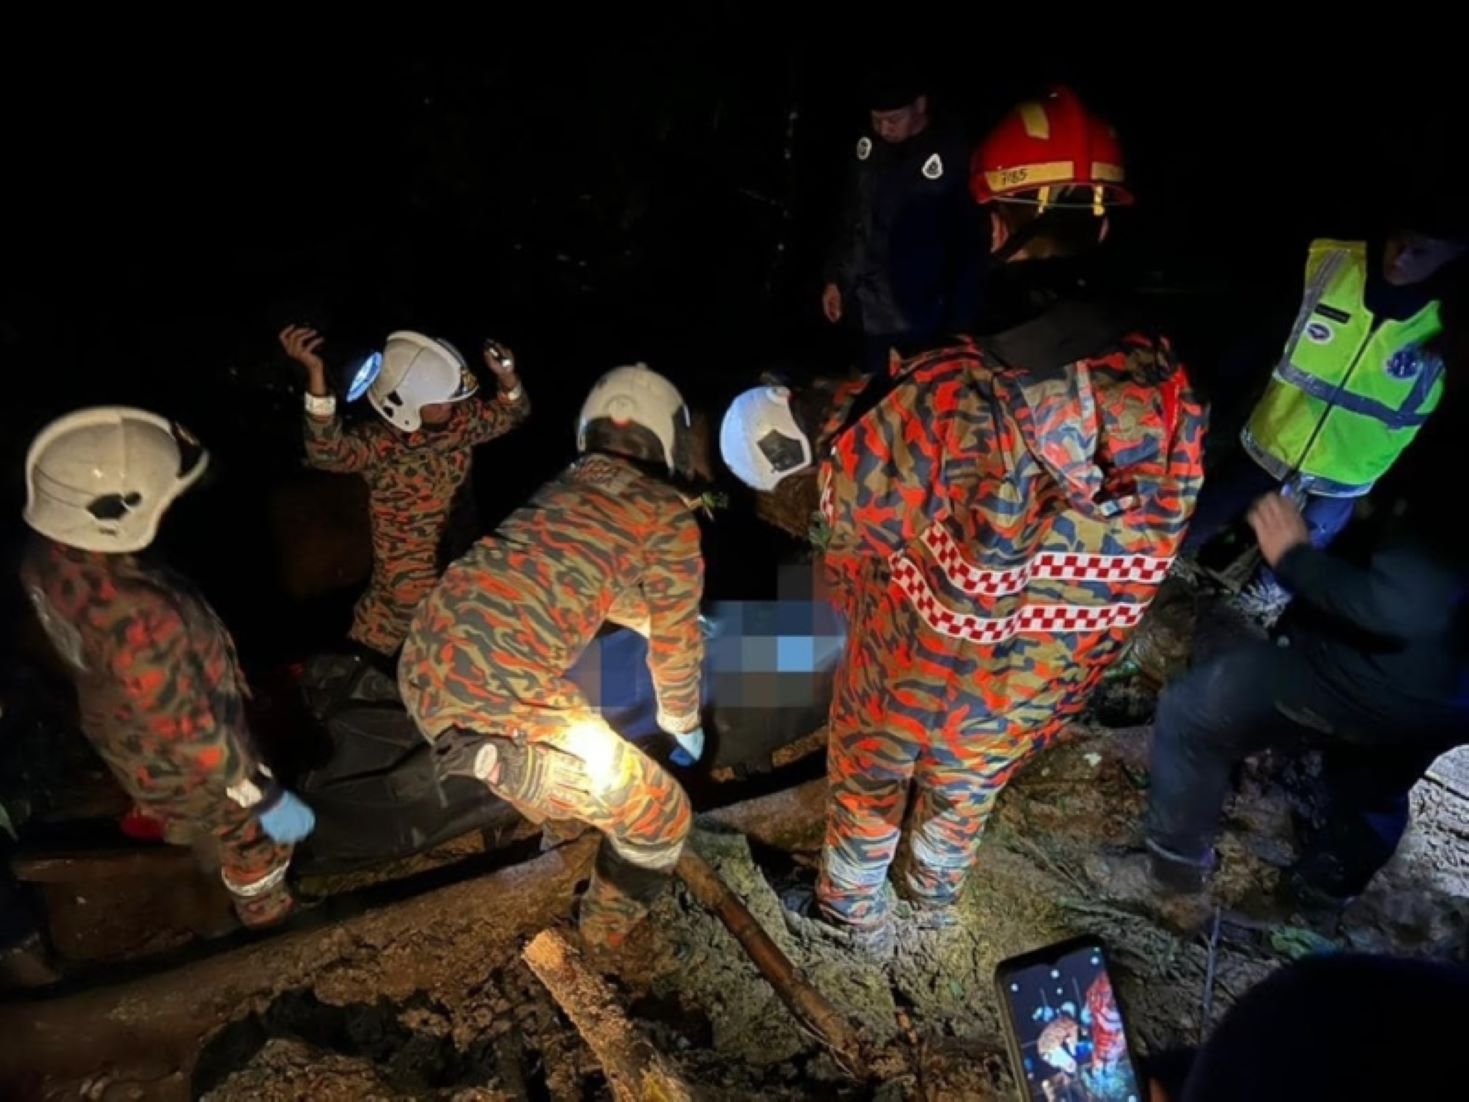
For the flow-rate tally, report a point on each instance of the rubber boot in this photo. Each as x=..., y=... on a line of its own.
x=616, y=900
x=875, y=941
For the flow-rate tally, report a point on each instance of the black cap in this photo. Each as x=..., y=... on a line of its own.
x=892, y=87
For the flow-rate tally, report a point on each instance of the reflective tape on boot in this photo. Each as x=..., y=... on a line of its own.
x=852, y=875
x=660, y=858
x=271, y=880
x=941, y=854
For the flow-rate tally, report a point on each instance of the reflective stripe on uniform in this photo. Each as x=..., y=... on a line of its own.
x=827, y=503
x=680, y=723
x=1048, y=565
x=852, y=872
x=254, y=888
x=1030, y=620
x=657, y=858
x=1406, y=417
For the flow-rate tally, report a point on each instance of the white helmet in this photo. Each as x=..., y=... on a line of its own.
x=100, y=478
x=636, y=395
x=418, y=371
x=760, y=439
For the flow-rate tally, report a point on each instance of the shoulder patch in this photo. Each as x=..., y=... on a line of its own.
x=933, y=168
x=864, y=148
x=1408, y=362
x=64, y=636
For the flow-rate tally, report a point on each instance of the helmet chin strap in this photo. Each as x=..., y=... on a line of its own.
x=1020, y=238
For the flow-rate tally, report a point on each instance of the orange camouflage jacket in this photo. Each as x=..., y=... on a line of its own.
x=1023, y=519
x=158, y=683
x=603, y=541
x=412, y=477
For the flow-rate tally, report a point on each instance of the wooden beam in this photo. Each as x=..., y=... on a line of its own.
x=635, y=1070
x=808, y=1005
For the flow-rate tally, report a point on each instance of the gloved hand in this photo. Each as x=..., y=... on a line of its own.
x=287, y=820
x=690, y=747
x=514, y=770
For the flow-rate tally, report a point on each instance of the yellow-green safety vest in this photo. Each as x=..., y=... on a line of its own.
x=1351, y=391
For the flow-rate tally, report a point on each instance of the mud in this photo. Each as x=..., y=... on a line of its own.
x=427, y=998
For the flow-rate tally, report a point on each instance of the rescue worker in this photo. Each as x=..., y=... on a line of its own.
x=414, y=464
x=1361, y=372
x=484, y=667
x=994, y=520
x=158, y=684
x=1373, y=675
x=903, y=267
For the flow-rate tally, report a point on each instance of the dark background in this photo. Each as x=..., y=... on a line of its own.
x=657, y=188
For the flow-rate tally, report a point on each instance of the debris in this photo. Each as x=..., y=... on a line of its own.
x=814, y=743
x=1206, y=1010
x=809, y=1006
x=634, y=1068
x=1296, y=942
x=425, y=993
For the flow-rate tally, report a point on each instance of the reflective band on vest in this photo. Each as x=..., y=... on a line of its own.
x=1351, y=390
x=1048, y=565
x=1030, y=620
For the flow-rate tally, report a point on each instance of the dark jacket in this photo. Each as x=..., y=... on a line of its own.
x=909, y=248
x=1385, y=627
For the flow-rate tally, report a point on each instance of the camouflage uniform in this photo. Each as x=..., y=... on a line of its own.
x=413, y=478
x=161, y=698
x=992, y=536
x=487, y=655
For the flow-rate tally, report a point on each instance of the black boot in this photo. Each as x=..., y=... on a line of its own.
x=1320, y=883
x=1159, y=882
x=1175, y=874
x=874, y=942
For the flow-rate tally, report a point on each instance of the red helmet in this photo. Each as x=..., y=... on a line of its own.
x=1050, y=144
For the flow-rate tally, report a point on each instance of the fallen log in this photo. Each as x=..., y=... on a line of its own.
x=635, y=1070
x=168, y=1015
x=808, y=1005
x=84, y=865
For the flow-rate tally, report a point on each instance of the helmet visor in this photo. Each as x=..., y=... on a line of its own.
x=784, y=453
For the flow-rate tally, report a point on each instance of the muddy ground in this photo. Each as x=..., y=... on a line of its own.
x=428, y=998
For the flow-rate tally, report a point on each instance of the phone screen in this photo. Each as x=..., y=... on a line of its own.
x=1068, y=1028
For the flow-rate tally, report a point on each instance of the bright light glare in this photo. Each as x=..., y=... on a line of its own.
x=366, y=375
x=596, y=745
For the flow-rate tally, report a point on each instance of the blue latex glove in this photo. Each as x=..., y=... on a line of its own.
x=288, y=820
x=690, y=747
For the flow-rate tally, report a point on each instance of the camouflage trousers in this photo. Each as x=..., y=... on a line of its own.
x=483, y=675
x=908, y=739
x=582, y=770
x=252, y=866
x=400, y=580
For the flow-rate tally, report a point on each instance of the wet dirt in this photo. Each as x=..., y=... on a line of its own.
x=427, y=998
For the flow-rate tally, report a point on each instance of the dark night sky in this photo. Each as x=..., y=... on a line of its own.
x=619, y=194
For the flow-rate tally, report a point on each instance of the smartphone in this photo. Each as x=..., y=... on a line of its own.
x=1068, y=1042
